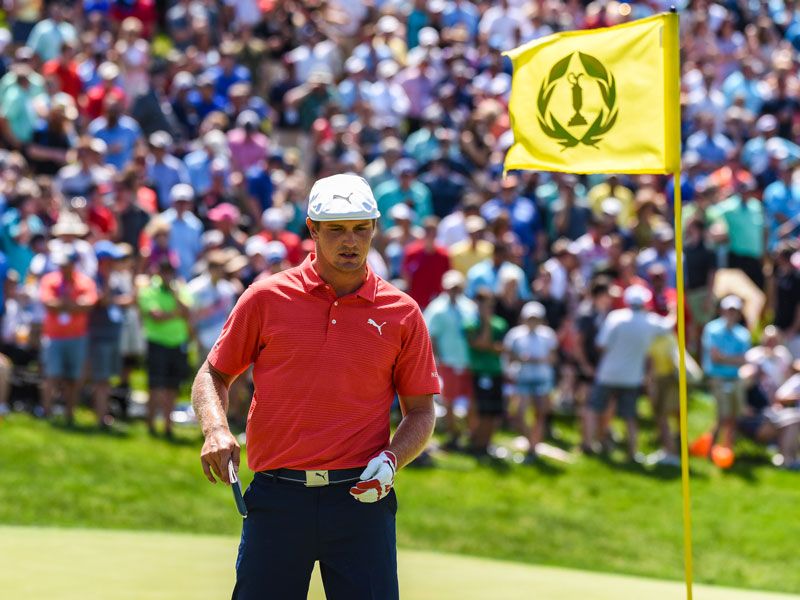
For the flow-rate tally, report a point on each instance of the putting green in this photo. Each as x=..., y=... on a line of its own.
x=76, y=564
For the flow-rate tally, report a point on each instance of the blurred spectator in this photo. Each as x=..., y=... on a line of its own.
x=213, y=299
x=624, y=338
x=114, y=295
x=531, y=353
x=485, y=334
x=447, y=317
x=724, y=345
x=68, y=297
x=165, y=305
x=185, y=229
x=424, y=264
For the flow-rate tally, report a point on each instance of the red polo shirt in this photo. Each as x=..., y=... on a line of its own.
x=326, y=369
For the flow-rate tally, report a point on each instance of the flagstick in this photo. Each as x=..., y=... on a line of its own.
x=684, y=427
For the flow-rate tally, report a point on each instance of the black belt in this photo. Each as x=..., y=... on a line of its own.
x=317, y=478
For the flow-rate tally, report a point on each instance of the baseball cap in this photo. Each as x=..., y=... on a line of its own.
x=160, y=139
x=342, y=197
x=248, y=118
x=274, y=251
x=663, y=233
x=474, y=224
x=533, y=310
x=107, y=249
x=273, y=219
x=224, y=212
x=766, y=123
x=637, y=296
x=108, y=71
x=453, y=279
x=731, y=301
x=255, y=245
x=181, y=192
x=401, y=212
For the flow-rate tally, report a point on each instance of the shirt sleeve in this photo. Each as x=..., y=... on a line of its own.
x=415, y=369
x=240, y=342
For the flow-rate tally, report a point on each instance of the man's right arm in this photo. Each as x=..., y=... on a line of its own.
x=210, y=402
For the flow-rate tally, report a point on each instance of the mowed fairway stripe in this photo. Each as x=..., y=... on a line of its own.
x=79, y=564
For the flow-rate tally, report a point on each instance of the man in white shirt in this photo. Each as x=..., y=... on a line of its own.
x=624, y=338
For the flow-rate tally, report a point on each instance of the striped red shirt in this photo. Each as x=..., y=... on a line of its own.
x=326, y=369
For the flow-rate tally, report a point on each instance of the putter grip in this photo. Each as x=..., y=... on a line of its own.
x=239, y=499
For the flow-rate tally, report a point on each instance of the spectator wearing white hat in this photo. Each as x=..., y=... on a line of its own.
x=309, y=432
x=446, y=317
x=68, y=296
x=185, y=229
x=530, y=351
x=247, y=144
x=624, y=339
x=213, y=297
x=106, y=89
x=213, y=146
x=476, y=248
x=163, y=169
x=119, y=131
x=725, y=343
x=274, y=222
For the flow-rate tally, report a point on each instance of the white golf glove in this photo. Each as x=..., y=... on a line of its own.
x=377, y=479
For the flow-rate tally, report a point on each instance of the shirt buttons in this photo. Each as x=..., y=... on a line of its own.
x=333, y=321
x=336, y=303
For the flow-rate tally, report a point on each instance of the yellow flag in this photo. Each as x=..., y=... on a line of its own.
x=598, y=101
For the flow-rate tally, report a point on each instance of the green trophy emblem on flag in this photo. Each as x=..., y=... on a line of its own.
x=603, y=121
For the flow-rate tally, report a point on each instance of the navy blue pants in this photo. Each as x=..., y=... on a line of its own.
x=290, y=527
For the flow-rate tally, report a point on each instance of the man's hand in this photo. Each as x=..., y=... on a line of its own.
x=377, y=479
x=220, y=447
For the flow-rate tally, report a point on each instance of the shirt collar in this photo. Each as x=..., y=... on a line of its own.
x=312, y=280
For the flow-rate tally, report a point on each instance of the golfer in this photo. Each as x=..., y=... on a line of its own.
x=331, y=344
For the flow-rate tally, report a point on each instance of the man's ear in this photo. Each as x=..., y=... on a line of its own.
x=312, y=228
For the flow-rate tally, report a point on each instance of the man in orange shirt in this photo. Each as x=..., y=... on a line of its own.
x=68, y=296
x=331, y=344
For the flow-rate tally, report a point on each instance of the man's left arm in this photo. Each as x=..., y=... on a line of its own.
x=414, y=430
x=416, y=381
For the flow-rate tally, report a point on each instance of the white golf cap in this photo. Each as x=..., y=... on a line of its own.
x=255, y=245
x=274, y=219
x=275, y=251
x=453, y=279
x=731, y=301
x=181, y=192
x=401, y=212
x=343, y=197
x=636, y=296
x=533, y=310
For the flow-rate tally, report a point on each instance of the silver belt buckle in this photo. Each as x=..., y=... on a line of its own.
x=316, y=478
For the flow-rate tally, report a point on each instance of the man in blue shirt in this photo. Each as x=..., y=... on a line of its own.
x=163, y=169
x=725, y=342
x=185, y=238
x=526, y=220
x=227, y=72
x=492, y=271
x=781, y=201
x=119, y=132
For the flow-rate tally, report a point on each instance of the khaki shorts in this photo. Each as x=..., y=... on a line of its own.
x=730, y=397
x=665, y=396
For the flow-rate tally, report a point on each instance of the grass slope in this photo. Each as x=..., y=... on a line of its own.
x=77, y=564
x=592, y=515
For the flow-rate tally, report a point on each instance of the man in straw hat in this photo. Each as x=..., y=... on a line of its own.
x=331, y=345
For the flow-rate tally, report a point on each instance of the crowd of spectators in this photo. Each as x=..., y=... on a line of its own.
x=157, y=155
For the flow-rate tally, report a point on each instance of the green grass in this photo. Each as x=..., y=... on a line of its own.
x=77, y=564
x=595, y=515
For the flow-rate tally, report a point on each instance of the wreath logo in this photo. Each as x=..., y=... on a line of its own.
x=604, y=120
